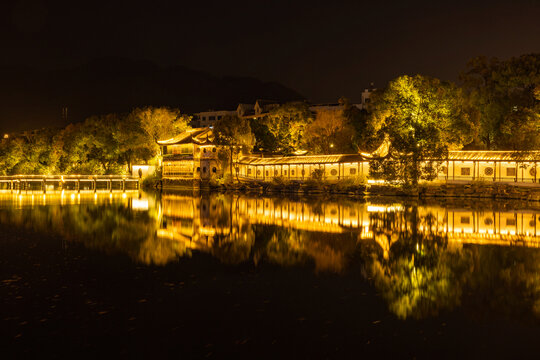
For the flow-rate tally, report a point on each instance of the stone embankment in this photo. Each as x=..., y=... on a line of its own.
x=463, y=191
x=483, y=191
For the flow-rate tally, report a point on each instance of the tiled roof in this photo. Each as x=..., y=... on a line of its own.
x=497, y=155
x=197, y=136
x=312, y=159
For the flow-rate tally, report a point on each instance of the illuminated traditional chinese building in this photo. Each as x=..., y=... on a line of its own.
x=193, y=155
x=190, y=155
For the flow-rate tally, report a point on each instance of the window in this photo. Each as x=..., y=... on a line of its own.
x=285, y=172
x=204, y=150
x=266, y=172
x=511, y=171
x=532, y=171
x=466, y=171
x=214, y=170
x=292, y=172
x=249, y=171
x=211, y=118
x=276, y=173
x=488, y=171
x=510, y=222
x=488, y=221
x=465, y=220
x=333, y=172
x=204, y=169
x=352, y=171
x=258, y=172
x=198, y=169
x=213, y=149
x=219, y=117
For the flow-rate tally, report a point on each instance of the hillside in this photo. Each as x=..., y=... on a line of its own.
x=31, y=98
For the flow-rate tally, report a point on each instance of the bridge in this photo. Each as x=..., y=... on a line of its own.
x=72, y=183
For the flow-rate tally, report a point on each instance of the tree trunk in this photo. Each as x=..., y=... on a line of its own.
x=231, y=164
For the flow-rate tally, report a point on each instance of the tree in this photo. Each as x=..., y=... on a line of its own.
x=161, y=123
x=422, y=118
x=30, y=153
x=330, y=133
x=364, y=136
x=234, y=134
x=502, y=98
x=134, y=142
x=286, y=125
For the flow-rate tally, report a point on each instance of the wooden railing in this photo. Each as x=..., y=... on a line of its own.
x=73, y=183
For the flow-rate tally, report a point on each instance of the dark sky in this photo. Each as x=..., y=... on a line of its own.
x=321, y=49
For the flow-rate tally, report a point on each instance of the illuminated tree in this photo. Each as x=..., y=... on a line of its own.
x=161, y=123
x=422, y=118
x=330, y=133
x=11, y=153
x=234, y=134
x=30, y=153
x=286, y=126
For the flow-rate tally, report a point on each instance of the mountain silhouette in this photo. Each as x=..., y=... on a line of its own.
x=32, y=98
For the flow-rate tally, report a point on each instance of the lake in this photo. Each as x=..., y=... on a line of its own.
x=250, y=276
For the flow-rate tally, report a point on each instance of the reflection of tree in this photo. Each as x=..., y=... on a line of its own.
x=235, y=247
x=412, y=264
x=111, y=228
x=506, y=279
x=328, y=252
x=421, y=274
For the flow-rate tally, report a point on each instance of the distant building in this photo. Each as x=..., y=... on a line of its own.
x=260, y=109
x=245, y=110
x=315, y=108
x=366, y=96
x=209, y=118
x=190, y=155
x=263, y=107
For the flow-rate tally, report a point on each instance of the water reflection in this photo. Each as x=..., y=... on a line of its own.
x=422, y=259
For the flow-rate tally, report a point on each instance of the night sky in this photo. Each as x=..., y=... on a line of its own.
x=323, y=50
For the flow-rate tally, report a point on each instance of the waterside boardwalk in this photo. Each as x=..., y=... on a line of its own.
x=71, y=183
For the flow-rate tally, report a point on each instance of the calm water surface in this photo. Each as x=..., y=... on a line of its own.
x=145, y=275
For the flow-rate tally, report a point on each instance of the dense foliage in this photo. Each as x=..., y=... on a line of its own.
x=422, y=119
x=235, y=136
x=106, y=144
x=495, y=106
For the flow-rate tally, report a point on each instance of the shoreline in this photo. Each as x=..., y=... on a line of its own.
x=488, y=191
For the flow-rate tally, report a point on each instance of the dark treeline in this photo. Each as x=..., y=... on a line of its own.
x=495, y=106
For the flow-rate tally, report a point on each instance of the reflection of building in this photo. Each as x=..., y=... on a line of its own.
x=199, y=220
x=190, y=155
